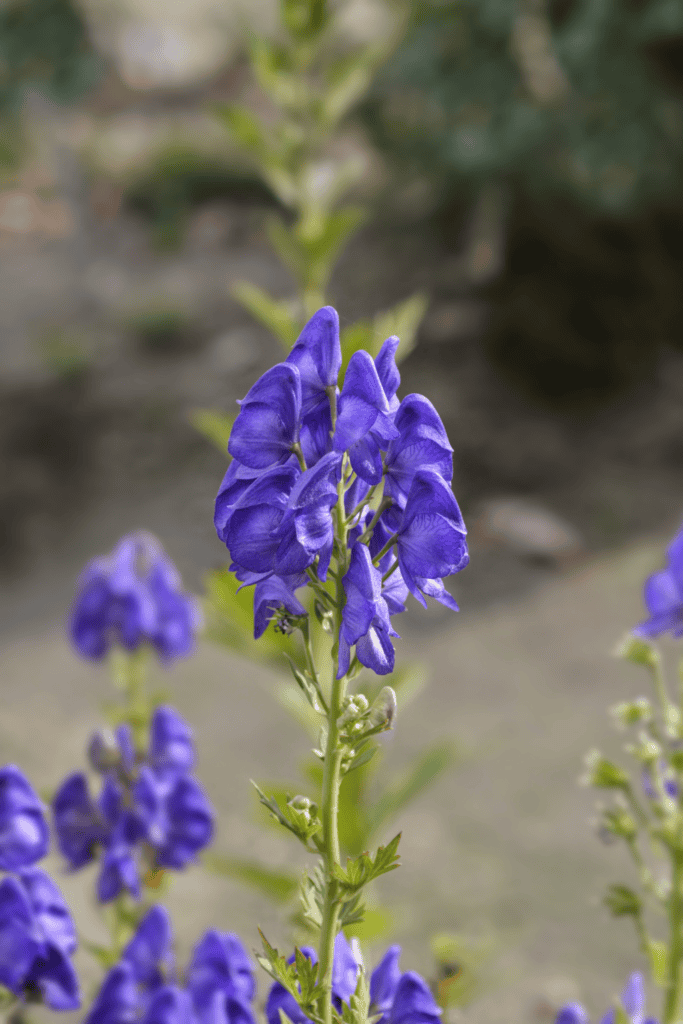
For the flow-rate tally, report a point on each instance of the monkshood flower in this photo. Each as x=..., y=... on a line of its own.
x=151, y=812
x=323, y=465
x=133, y=597
x=37, y=935
x=144, y=985
x=663, y=595
x=632, y=1002
x=24, y=833
x=401, y=998
x=37, y=938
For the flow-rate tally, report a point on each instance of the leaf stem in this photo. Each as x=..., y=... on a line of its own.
x=672, y=996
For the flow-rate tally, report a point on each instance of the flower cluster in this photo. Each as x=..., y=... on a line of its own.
x=354, y=475
x=143, y=986
x=663, y=595
x=151, y=812
x=396, y=997
x=632, y=1003
x=37, y=935
x=133, y=597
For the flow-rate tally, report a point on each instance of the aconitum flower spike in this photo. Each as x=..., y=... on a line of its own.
x=663, y=595
x=24, y=833
x=267, y=426
x=431, y=539
x=133, y=597
x=317, y=356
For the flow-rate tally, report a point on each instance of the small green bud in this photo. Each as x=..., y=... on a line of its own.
x=633, y=712
x=604, y=774
x=300, y=803
x=618, y=822
x=637, y=651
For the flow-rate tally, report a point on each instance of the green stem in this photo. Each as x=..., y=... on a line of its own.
x=331, y=784
x=672, y=996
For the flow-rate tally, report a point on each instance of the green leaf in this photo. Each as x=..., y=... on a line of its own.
x=357, y=1010
x=247, y=130
x=365, y=868
x=348, y=82
x=287, y=247
x=658, y=956
x=403, y=320
x=278, y=886
x=276, y=315
x=214, y=425
x=415, y=780
x=322, y=249
x=306, y=685
x=277, y=967
x=637, y=651
x=362, y=758
x=622, y=901
x=312, y=897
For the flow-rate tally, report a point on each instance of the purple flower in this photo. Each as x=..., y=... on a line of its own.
x=365, y=422
x=267, y=427
x=24, y=834
x=317, y=356
x=307, y=527
x=145, y=985
x=365, y=617
x=422, y=444
x=37, y=938
x=632, y=1001
x=133, y=597
x=273, y=597
x=669, y=784
x=400, y=998
x=663, y=595
x=431, y=538
x=387, y=371
x=150, y=809
x=175, y=817
x=250, y=532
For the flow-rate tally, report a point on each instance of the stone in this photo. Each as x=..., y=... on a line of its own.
x=528, y=529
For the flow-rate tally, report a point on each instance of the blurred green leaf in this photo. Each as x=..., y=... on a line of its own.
x=214, y=425
x=278, y=886
x=276, y=315
x=323, y=248
x=403, y=320
x=246, y=128
x=287, y=247
x=348, y=81
x=434, y=761
x=658, y=956
x=377, y=923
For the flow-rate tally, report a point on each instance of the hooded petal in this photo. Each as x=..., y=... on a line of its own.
x=572, y=1013
x=664, y=602
x=18, y=941
x=150, y=949
x=387, y=370
x=77, y=823
x=24, y=834
x=384, y=980
x=414, y=1002
x=220, y=963
x=268, y=421
x=170, y=1005
x=363, y=406
x=118, y=1001
x=171, y=746
x=50, y=910
x=317, y=355
x=53, y=973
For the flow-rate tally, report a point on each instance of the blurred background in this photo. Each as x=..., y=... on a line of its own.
x=524, y=171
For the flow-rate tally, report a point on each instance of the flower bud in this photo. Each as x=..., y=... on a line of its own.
x=637, y=651
x=633, y=712
x=604, y=774
x=103, y=751
x=383, y=711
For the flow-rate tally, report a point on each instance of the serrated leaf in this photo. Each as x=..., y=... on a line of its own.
x=214, y=425
x=276, y=315
x=295, y=821
x=415, y=780
x=622, y=901
x=365, y=868
x=278, y=886
x=352, y=911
